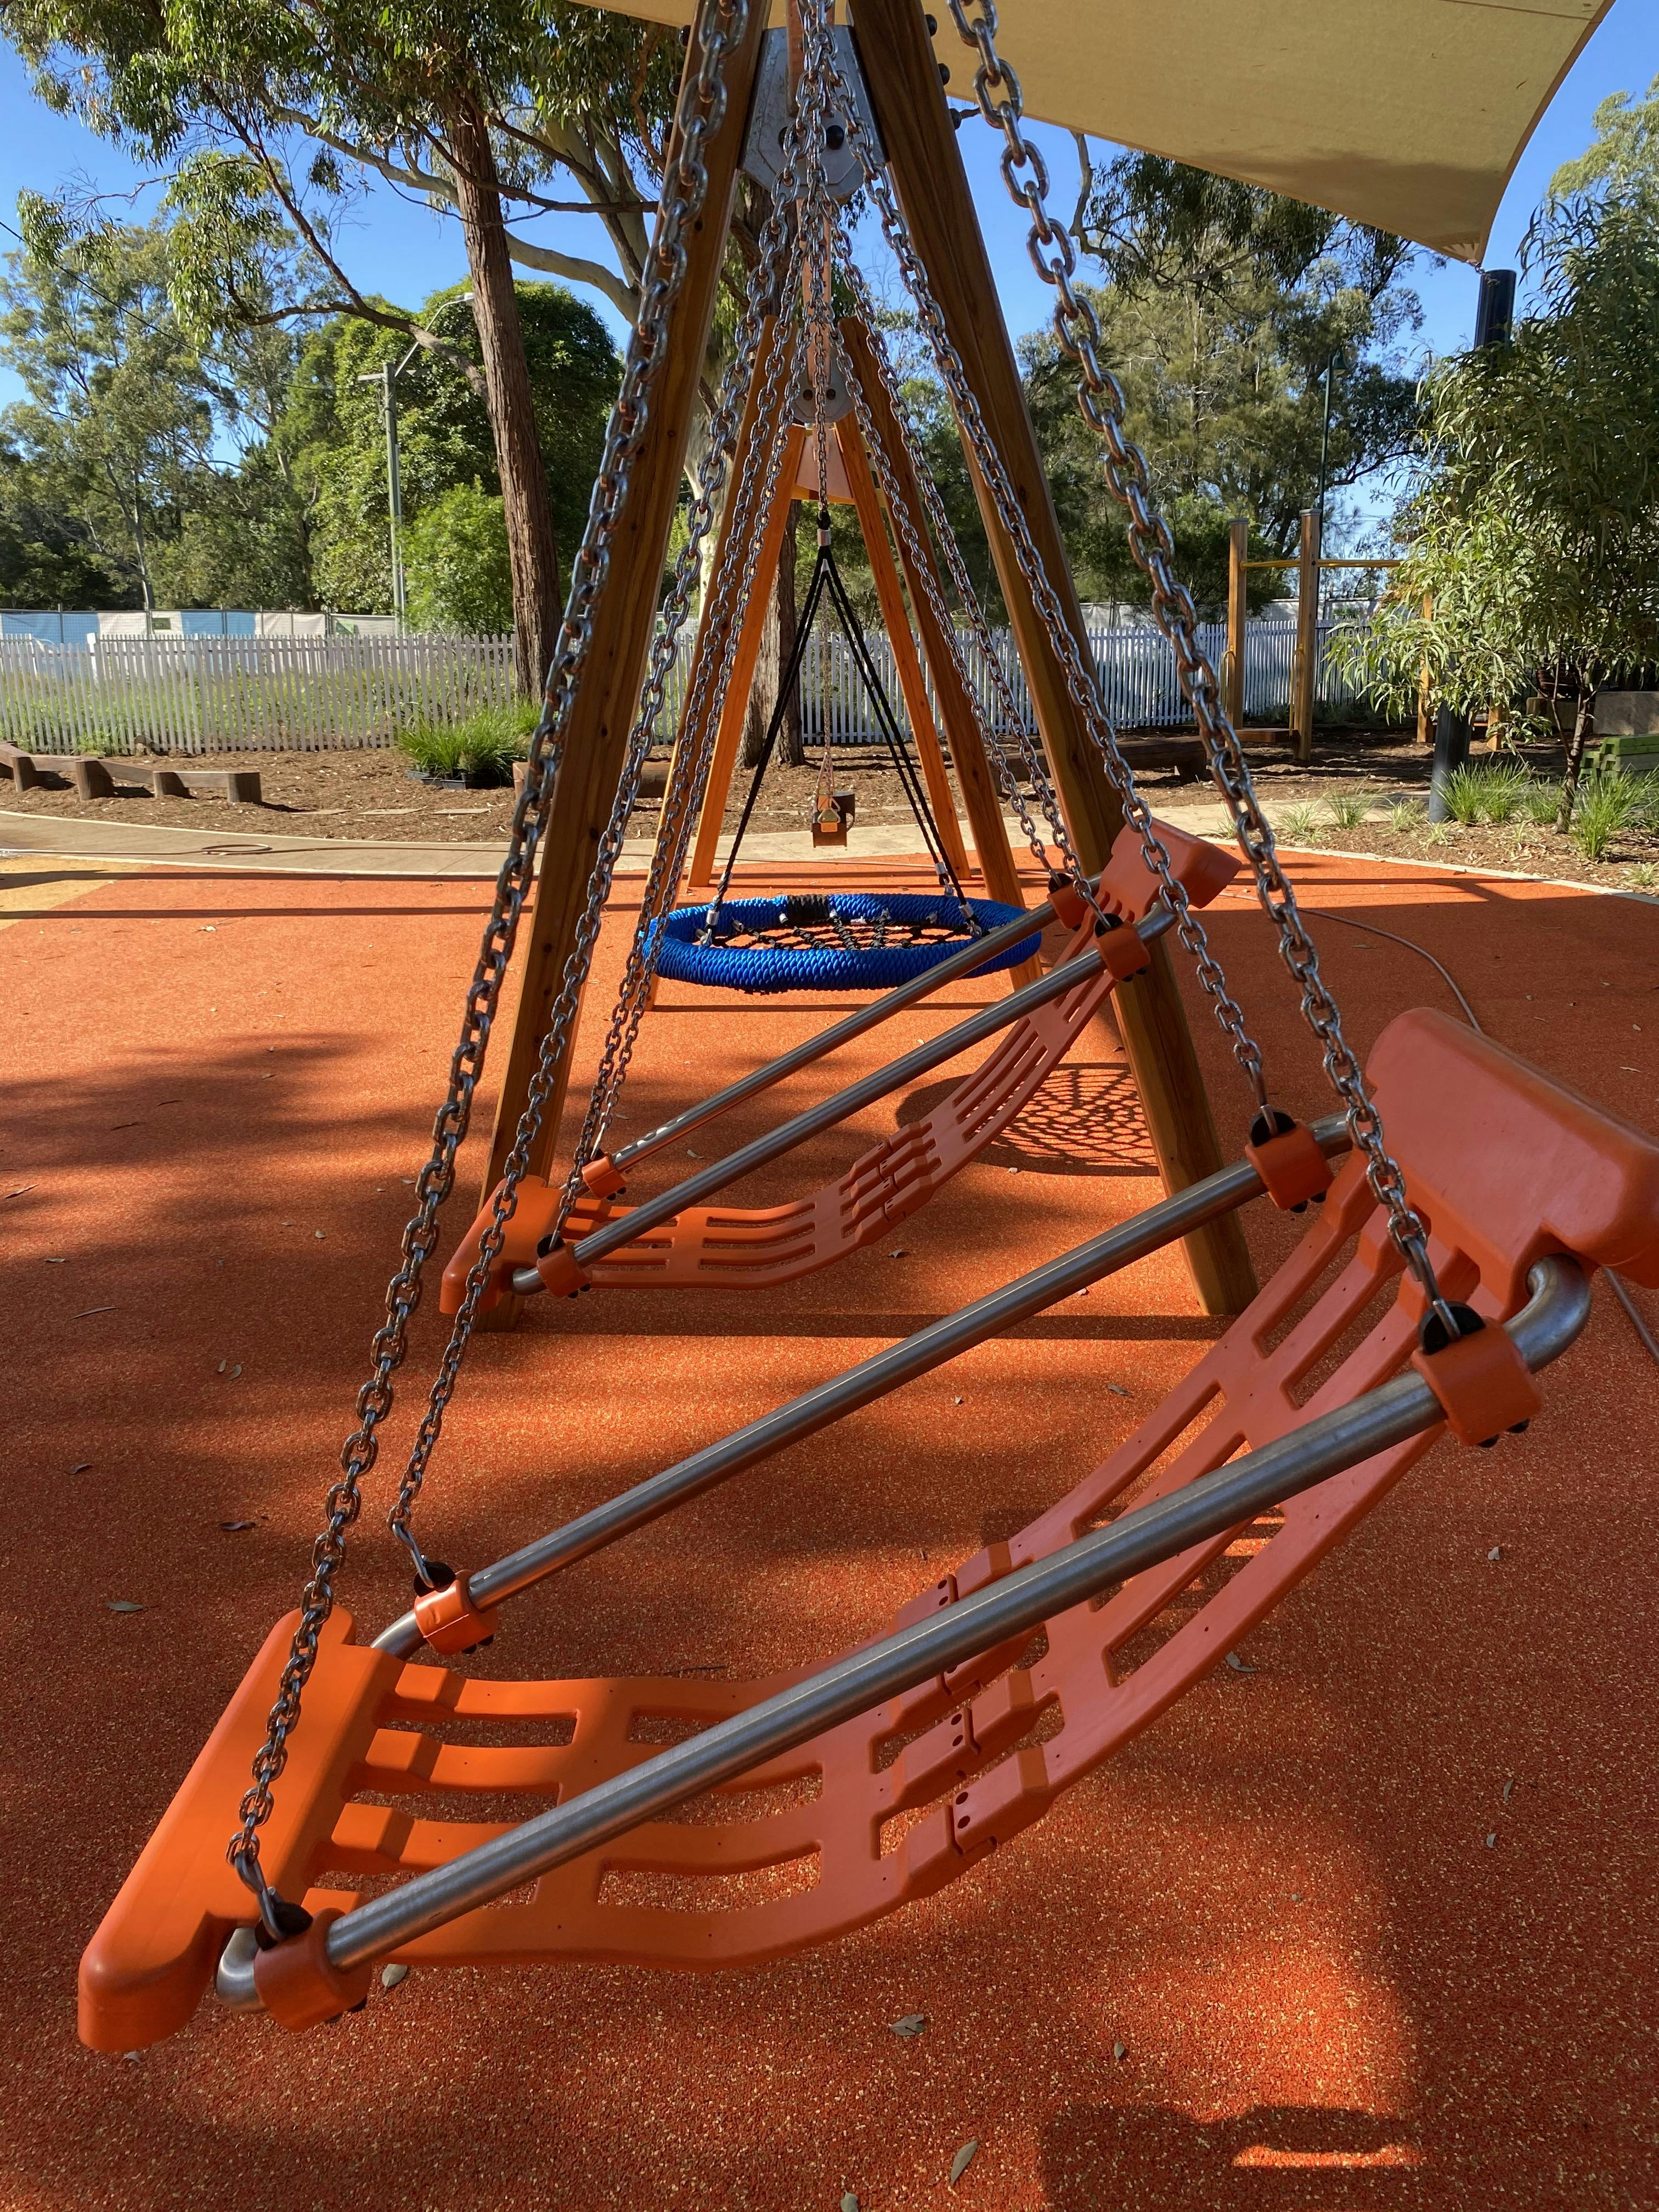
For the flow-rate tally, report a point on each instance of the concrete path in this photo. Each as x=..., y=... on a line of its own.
x=137, y=844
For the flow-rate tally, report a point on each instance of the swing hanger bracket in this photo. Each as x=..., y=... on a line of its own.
x=769, y=118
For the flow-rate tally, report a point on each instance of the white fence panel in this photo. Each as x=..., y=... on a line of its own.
x=196, y=694
x=191, y=695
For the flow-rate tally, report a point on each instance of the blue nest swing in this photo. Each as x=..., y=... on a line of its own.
x=840, y=941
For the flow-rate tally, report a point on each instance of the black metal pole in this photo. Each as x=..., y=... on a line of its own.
x=1451, y=752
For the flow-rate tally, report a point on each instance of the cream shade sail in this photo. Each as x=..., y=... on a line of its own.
x=1409, y=114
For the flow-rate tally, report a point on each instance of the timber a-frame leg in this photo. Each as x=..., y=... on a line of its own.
x=625, y=616
x=745, y=656
x=902, y=77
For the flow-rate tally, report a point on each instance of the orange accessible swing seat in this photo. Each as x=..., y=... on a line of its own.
x=1506, y=1168
x=735, y=1247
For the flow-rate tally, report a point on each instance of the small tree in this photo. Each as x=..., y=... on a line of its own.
x=460, y=578
x=1531, y=537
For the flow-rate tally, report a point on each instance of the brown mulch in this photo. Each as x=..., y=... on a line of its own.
x=372, y=794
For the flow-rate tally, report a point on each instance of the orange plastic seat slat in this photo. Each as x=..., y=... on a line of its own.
x=746, y=1886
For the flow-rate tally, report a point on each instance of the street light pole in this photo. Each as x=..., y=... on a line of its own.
x=386, y=377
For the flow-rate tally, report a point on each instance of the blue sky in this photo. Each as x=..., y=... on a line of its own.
x=400, y=248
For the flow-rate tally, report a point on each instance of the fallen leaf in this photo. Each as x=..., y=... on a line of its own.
x=87, y=1312
x=56, y=1262
x=964, y=2158
x=133, y=2057
x=900, y=1254
x=234, y=1372
x=319, y=1235
x=234, y=1527
x=1117, y=1390
x=122, y=1605
x=390, y=1976
x=1120, y=2051
x=1492, y=1840
x=1509, y=1789
x=21, y=1188
x=1496, y=1553
x=223, y=1363
x=848, y=2202
x=955, y=1401
x=128, y=1125
x=912, y=2023
x=1239, y=1666
x=81, y=1467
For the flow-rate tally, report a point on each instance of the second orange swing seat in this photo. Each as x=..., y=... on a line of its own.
x=735, y=1248
x=1506, y=1168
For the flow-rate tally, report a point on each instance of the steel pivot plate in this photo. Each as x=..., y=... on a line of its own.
x=768, y=118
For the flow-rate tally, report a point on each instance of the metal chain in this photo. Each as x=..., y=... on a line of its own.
x=701, y=111
x=1100, y=397
x=750, y=499
x=1081, y=683
x=763, y=291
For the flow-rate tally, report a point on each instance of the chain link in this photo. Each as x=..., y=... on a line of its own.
x=701, y=111
x=1100, y=397
x=1081, y=683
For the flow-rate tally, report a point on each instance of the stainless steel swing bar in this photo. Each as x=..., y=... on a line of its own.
x=884, y=1371
x=625, y=1227
x=961, y=963
x=1557, y=1310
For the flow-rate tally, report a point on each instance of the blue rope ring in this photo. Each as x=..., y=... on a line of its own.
x=846, y=941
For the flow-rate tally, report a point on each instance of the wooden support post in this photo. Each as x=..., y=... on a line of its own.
x=903, y=78
x=624, y=616
x=956, y=707
x=1232, y=669
x=890, y=595
x=714, y=640
x=1306, y=664
x=745, y=654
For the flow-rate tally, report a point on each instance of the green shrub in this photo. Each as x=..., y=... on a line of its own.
x=1465, y=798
x=1644, y=876
x=461, y=578
x=1404, y=815
x=1502, y=789
x=482, y=748
x=1540, y=800
x=1348, y=809
x=433, y=749
x=1607, y=802
x=1300, y=824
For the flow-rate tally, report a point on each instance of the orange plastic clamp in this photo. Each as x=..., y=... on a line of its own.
x=450, y=1621
x=603, y=1177
x=1291, y=1166
x=559, y=1272
x=1068, y=901
x=298, y=1987
x=1122, y=952
x=1482, y=1381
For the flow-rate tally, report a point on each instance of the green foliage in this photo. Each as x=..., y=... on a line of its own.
x=1404, y=815
x=335, y=427
x=1348, y=809
x=114, y=487
x=1533, y=527
x=1464, y=795
x=1540, y=801
x=1609, y=801
x=482, y=749
x=1299, y=824
x=1223, y=304
x=459, y=576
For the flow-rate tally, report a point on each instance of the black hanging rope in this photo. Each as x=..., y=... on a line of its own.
x=826, y=578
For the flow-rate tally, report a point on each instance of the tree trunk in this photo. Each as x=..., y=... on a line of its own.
x=777, y=644
x=1583, y=723
x=537, y=600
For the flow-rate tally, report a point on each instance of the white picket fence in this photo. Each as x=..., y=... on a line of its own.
x=190, y=694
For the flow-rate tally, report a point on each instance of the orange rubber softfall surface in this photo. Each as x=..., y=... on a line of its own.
x=727, y=1247
x=1329, y=1990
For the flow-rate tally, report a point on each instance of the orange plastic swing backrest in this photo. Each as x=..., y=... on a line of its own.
x=735, y=1247
x=893, y=1805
